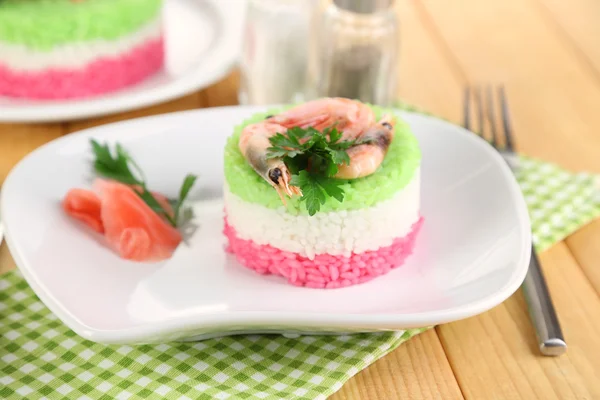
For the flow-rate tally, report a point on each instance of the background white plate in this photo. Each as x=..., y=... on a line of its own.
x=203, y=40
x=471, y=255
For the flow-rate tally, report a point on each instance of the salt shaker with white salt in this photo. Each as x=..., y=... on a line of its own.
x=274, y=52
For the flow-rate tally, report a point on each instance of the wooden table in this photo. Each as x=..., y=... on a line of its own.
x=547, y=53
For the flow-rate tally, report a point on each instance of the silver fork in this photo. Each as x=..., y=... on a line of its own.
x=535, y=290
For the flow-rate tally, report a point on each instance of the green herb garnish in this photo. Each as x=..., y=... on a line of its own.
x=117, y=168
x=313, y=159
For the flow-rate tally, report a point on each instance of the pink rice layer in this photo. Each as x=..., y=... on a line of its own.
x=101, y=76
x=324, y=271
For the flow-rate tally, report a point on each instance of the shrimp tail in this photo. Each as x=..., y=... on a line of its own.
x=282, y=189
x=281, y=184
x=281, y=193
x=296, y=191
x=366, y=157
x=389, y=121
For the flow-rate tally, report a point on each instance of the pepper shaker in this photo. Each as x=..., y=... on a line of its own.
x=354, y=51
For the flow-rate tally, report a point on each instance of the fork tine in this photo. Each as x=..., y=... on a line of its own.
x=491, y=116
x=479, y=106
x=506, y=119
x=467, y=109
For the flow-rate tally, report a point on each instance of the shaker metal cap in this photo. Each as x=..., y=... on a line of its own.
x=364, y=6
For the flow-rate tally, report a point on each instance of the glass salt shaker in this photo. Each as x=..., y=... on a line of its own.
x=274, y=51
x=354, y=51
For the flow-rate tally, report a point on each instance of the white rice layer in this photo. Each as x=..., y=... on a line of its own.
x=335, y=233
x=76, y=55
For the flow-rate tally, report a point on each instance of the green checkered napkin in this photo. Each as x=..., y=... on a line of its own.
x=41, y=358
x=559, y=202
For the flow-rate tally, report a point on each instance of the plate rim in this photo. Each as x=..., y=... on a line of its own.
x=382, y=321
x=204, y=75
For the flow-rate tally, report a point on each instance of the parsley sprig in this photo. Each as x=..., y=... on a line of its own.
x=117, y=167
x=313, y=158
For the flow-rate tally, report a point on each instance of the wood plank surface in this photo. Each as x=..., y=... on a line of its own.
x=16, y=141
x=547, y=53
x=417, y=369
x=188, y=102
x=577, y=22
x=409, y=372
x=427, y=77
x=223, y=93
x=585, y=246
x=553, y=96
x=494, y=355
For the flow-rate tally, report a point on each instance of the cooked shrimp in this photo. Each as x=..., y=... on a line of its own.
x=349, y=116
x=254, y=142
x=366, y=158
x=353, y=118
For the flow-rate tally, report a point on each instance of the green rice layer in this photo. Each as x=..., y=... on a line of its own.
x=397, y=170
x=43, y=24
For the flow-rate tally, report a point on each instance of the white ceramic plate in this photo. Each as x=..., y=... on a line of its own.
x=203, y=39
x=471, y=255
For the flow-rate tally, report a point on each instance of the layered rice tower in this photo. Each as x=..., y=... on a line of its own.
x=60, y=49
x=371, y=232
